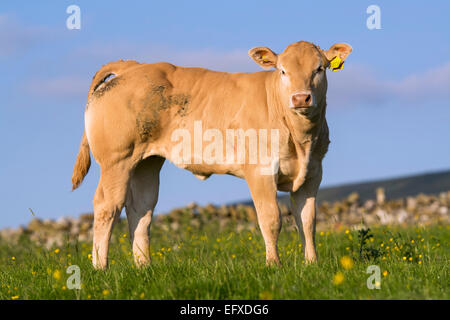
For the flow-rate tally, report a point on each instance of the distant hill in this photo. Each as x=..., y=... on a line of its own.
x=428, y=183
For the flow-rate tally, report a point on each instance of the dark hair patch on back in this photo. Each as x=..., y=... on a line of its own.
x=157, y=100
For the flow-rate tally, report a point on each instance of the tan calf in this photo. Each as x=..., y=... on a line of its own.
x=138, y=115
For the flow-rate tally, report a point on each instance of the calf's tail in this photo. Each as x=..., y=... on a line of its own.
x=82, y=164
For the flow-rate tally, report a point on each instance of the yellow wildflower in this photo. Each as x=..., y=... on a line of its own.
x=338, y=278
x=265, y=295
x=57, y=275
x=346, y=262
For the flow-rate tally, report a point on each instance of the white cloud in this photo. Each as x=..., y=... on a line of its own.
x=61, y=87
x=434, y=83
x=358, y=85
x=16, y=37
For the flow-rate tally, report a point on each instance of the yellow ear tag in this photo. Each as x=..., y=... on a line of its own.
x=264, y=59
x=336, y=64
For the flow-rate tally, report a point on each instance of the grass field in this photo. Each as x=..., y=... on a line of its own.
x=207, y=264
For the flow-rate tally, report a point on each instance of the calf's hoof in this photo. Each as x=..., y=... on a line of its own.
x=273, y=263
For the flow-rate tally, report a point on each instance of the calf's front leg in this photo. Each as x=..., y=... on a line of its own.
x=303, y=204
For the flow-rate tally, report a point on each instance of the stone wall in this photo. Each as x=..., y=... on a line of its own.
x=418, y=211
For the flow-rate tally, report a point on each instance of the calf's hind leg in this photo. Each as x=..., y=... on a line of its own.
x=264, y=194
x=109, y=200
x=140, y=203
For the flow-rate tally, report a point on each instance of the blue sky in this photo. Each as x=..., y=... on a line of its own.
x=388, y=109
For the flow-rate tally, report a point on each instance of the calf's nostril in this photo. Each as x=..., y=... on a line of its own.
x=302, y=100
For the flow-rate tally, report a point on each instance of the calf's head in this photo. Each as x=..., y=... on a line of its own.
x=301, y=77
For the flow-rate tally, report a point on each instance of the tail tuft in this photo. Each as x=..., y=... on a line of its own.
x=82, y=164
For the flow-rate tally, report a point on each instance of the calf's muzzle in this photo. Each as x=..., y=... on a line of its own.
x=302, y=100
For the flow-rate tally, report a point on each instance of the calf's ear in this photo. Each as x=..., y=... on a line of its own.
x=263, y=56
x=341, y=50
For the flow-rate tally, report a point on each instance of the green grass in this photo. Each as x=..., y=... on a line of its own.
x=208, y=264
